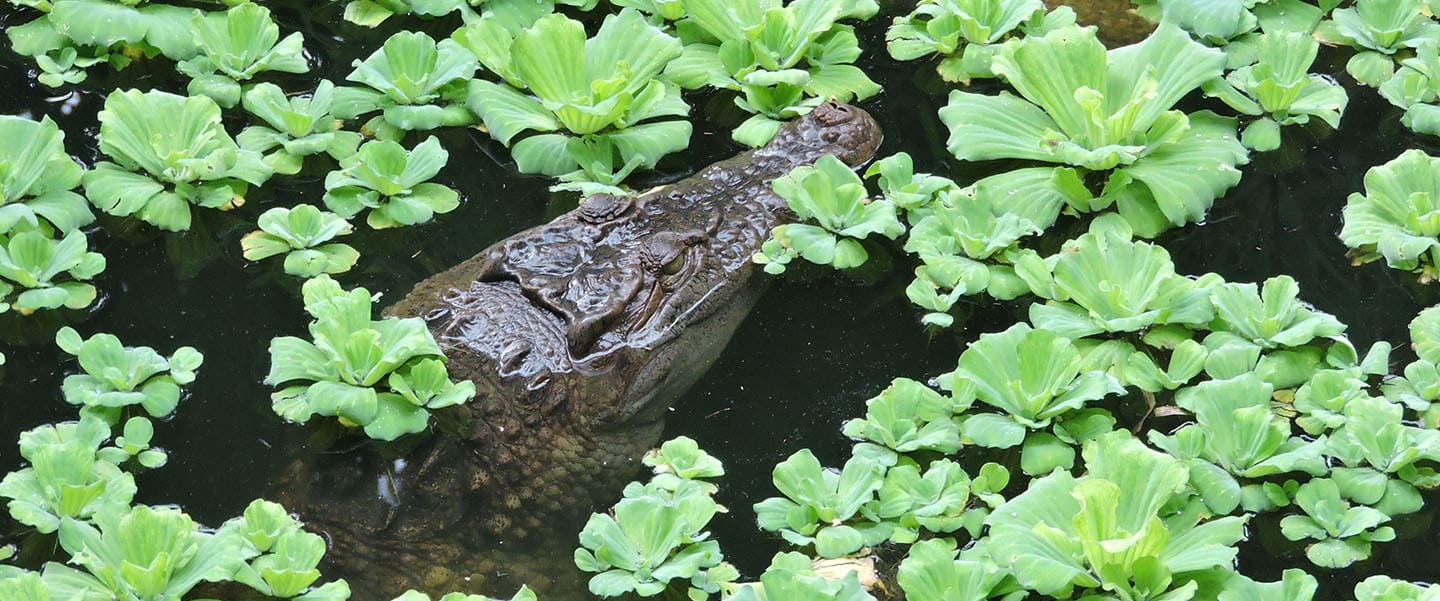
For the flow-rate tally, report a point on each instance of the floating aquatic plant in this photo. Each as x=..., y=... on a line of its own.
x=1111, y=113
x=74, y=35
x=37, y=177
x=303, y=235
x=115, y=376
x=296, y=127
x=1034, y=377
x=1279, y=90
x=938, y=500
x=967, y=33
x=524, y=594
x=1415, y=87
x=1343, y=533
x=656, y=535
x=832, y=196
x=392, y=183
x=282, y=557
x=67, y=476
x=142, y=553
x=1381, y=31
x=1385, y=588
x=371, y=13
x=932, y=572
x=413, y=82
x=783, y=59
x=383, y=376
x=1106, y=530
x=597, y=107
x=1398, y=216
x=170, y=152
x=237, y=47
x=790, y=578
x=906, y=417
x=820, y=504
x=1228, y=22
x=1103, y=282
x=38, y=271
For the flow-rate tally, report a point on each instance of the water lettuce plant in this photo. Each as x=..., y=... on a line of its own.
x=115, y=376
x=832, y=196
x=1226, y=23
x=281, y=556
x=371, y=13
x=141, y=553
x=932, y=572
x=1035, y=378
x=413, y=82
x=791, y=578
x=1385, y=588
x=37, y=177
x=655, y=537
x=1108, y=530
x=1397, y=217
x=169, y=152
x=303, y=235
x=295, y=127
x=392, y=183
x=782, y=59
x=1415, y=87
x=1343, y=533
x=940, y=499
x=237, y=47
x=906, y=417
x=73, y=35
x=67, y=476
x=1277, y=89
x=1103, y=282
x=819, y=503
x=967, y=33
x=524, y=594
x=1236, y=435
x=38, y=271
x=1381, y=31
x=383, y=376
x=1110, y=114
x=649, y=541
x=598, y=107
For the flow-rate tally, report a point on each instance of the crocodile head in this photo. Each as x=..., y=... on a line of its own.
x=578, y=334
x=631, y=295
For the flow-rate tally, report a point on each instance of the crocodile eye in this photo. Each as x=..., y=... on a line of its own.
x=674, y=266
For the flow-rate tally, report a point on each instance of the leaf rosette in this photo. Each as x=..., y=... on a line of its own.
x=38, y=271
x=596, y=106
x=116, y=376
x=1279, y=90
x=392, y=183
x=37, y=177
x=303, y=235
x=967, y=33
x=1398, y=217
x=295, y=127
x=783, y=59
x=383, y=376
x=237, y=47
x=415, y=83
x=170, y=152
x=1381, y=31
x=1109, y=112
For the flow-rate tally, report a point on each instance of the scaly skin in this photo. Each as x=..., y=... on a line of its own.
x=578, y=335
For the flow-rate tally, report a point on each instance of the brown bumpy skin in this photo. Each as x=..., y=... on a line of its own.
x=578, y=334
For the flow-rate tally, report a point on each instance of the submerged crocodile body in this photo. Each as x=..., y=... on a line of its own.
x=578, y=335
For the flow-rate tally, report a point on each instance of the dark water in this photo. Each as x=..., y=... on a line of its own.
x=815, y=348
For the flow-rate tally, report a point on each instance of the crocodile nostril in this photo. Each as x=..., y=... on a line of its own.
x=833, y=113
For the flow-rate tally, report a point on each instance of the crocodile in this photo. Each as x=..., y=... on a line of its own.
x=578, y=334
